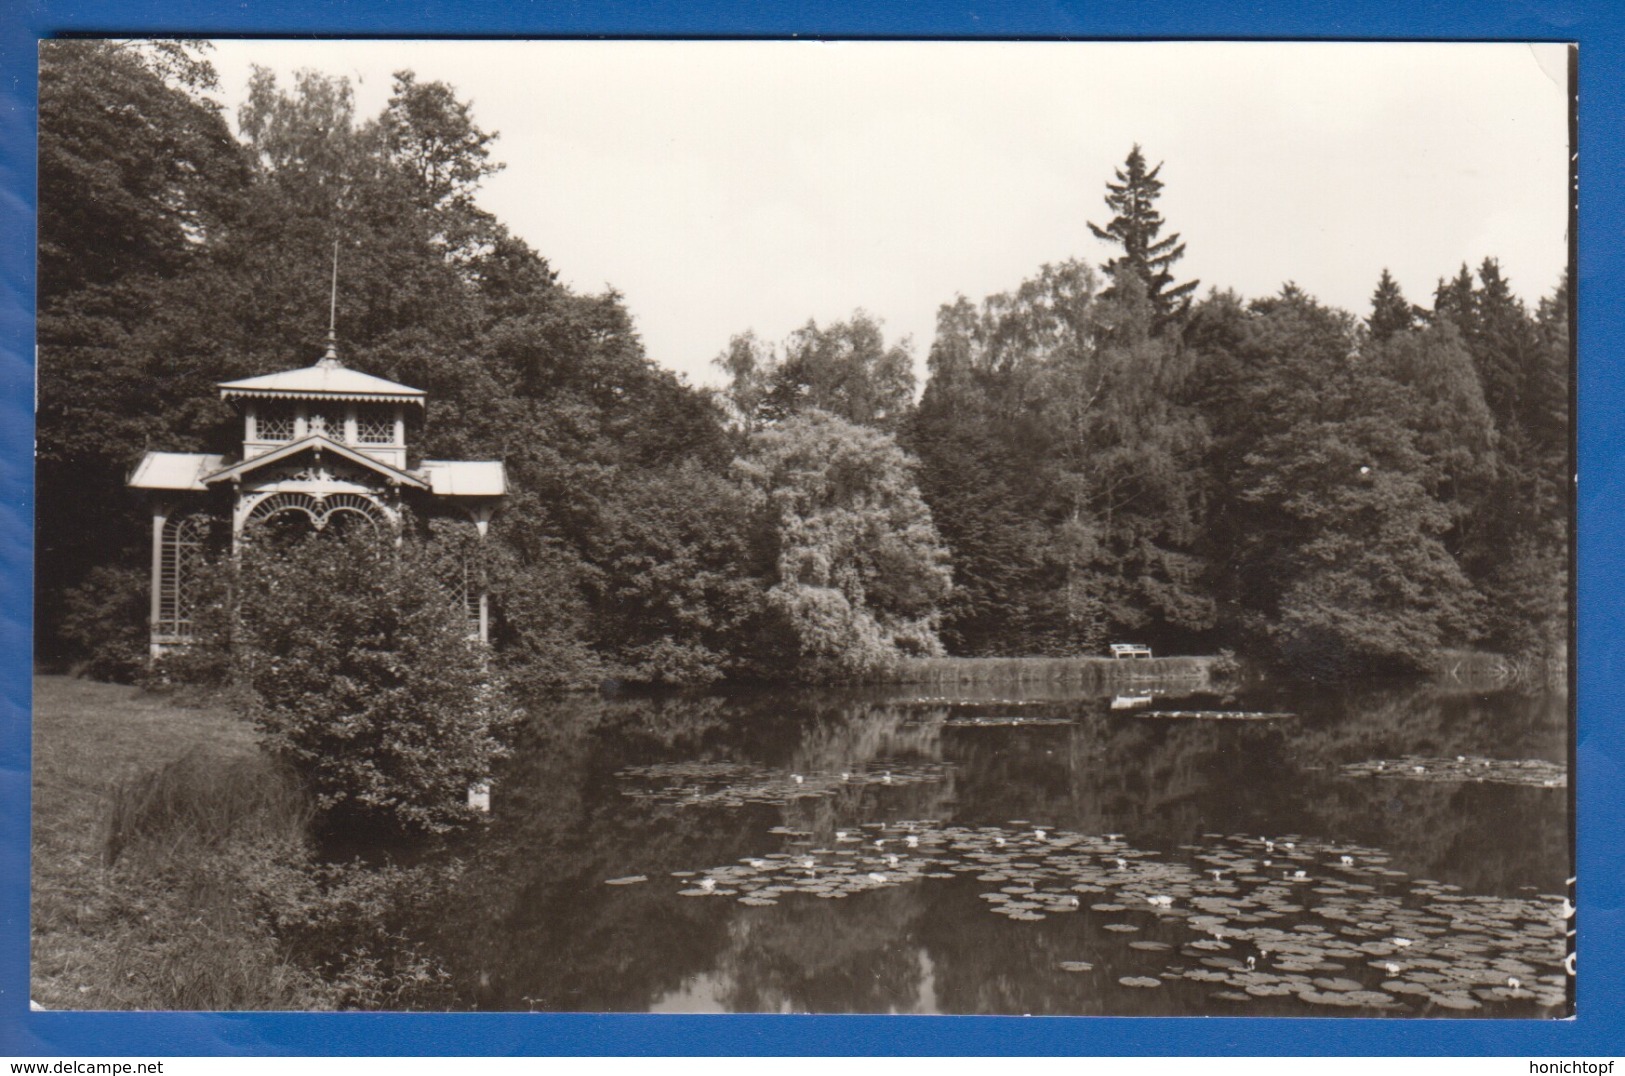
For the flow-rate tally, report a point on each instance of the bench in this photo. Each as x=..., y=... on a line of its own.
x=1130, y=650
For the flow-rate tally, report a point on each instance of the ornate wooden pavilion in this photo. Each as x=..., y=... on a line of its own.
x=324, y=448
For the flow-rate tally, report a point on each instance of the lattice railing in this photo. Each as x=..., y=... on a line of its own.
x=181, y=557
x=374, y=430
x=276, y=425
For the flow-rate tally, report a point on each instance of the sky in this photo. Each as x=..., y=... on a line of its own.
x=731, y=186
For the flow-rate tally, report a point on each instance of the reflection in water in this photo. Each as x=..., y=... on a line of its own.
x=703, y=787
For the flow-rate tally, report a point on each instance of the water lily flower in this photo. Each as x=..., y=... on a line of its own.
x=1514, y=983
x=797, y=778
x=708, y=884
x=912, y=841
x=1347, y=861
x=1391, y=968
x=1122, y=864
x=877, y=877
x=1402, y=943
x=1040, y=834
x=1160, y=900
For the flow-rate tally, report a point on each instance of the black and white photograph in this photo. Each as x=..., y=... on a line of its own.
x=782, y=526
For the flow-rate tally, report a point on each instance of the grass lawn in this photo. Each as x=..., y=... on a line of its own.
x=87, y=738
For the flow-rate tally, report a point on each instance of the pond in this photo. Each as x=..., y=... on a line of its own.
x=1288, y=850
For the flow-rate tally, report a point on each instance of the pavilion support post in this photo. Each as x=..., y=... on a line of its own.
x=160, y=516
x=481, y=515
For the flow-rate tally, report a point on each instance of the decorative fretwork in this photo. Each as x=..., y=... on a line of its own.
x=374, y=429
x=346, y=508
x=181, y=557
x=278, y=503
x=274, y=424
x=340, y=508
x=316, y=422
x=326, y=471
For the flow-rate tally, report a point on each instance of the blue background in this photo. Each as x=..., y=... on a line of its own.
x=1597, y=27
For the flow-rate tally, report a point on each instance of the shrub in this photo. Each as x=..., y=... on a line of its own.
x=365, y=680
x=105, y=621
x=351, y=924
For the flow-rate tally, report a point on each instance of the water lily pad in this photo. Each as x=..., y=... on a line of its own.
x=1139, y=981
x=631, y=879
x=1215, y=715
x=1339, y=985
x=1529, y=772
x=1454, y=1001
x=1075, y=965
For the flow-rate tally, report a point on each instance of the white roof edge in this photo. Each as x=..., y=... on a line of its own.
x=174, y=470
x=329, y=381
x=466, y=478
x=415, y=396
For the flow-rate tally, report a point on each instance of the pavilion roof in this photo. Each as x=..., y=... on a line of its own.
x=175, y=470
x=316, y=442
x=327, y=380
x=466, y=478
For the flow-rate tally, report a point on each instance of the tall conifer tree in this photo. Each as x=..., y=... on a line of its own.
x=1391, y=312
x=1135, y=228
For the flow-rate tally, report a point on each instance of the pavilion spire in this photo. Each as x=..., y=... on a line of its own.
x=330, y=359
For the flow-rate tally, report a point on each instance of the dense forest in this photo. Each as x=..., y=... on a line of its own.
x=1098, y=454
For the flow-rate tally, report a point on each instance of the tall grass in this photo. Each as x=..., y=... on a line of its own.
x=1088, y=672
x=200, y=801
x=203, y=849
x=172, y=870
